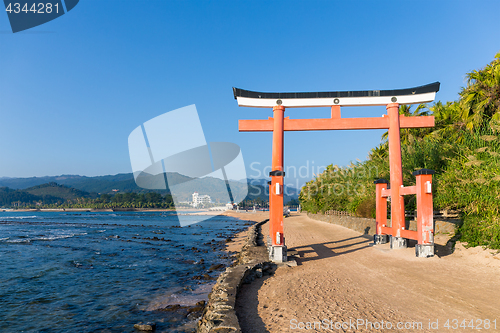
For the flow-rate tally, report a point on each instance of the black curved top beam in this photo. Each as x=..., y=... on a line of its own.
x=347, y=98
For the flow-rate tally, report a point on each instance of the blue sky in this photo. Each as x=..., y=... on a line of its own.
x=73, y=89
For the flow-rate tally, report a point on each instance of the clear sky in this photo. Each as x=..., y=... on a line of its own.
x=73, y=89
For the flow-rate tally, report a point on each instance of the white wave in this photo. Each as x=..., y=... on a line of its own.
x=177, y=296
x=2, y=239
x=54, y=237
x=25, y=240
x=19, y=217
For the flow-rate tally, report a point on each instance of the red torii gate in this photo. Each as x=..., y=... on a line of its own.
x=392, y=121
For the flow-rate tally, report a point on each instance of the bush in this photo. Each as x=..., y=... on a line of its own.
x=479, y=230
x=367, y=208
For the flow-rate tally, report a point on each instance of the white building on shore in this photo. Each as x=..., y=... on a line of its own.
x=228, y=206
x=200, y=199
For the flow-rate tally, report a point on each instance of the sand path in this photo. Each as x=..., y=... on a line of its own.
x=343, y=280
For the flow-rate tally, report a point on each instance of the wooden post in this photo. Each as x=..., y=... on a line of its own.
x=278, y=251
x=381, y=211
x=271, y=230
x=396, y=171
x=425, y=214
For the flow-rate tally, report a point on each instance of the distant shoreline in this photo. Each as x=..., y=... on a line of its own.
x=106, y=210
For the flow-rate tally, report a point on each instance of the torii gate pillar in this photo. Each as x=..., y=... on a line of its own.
x=396, y=172
x=277, y=251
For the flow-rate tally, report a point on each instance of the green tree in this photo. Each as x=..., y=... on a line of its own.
x=481, y=97
x=409, y=134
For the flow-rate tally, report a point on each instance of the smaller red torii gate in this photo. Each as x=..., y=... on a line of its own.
x=392, y=121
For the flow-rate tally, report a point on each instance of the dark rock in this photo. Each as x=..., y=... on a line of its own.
x=199, y=307
x=202, y=277
x=145, y=327
x=215, y=267
x=191, y=312
x=171, y=307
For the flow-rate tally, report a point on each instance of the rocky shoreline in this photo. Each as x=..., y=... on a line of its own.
x=231, y=249
x=219, y=314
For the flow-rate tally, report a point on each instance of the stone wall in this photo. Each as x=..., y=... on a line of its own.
x=219, y=314
x=366, y=226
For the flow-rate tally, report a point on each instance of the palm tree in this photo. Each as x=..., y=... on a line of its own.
x=380, y=152
x=450, y=120
x=481, y=98
x=409, y=134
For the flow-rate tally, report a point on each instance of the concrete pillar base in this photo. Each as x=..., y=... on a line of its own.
x=398, y=243
x=277, y=253
x=380, y=239
x=424, y=250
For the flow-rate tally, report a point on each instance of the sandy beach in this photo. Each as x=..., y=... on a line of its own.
x=341, y=277
x=240, y=238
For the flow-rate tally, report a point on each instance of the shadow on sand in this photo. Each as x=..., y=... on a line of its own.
x=331, y=249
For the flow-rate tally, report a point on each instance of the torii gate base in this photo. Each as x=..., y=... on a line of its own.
x=425, y=222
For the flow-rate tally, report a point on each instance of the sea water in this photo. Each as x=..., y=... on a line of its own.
x=105, y=272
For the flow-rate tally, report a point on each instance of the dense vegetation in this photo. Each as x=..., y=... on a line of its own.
x=122, y=200
x=61, y=192
x=125, y=183
x=10, y=197
x=53, y=195
x=463, y=148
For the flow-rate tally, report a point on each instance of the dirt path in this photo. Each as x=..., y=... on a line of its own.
x=343, y=280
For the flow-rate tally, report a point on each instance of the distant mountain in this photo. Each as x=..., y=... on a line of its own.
x=100, y=184
x=110, y=184
x=289, y=190
x=10, y=197
x=255, y=181
x=58, y=191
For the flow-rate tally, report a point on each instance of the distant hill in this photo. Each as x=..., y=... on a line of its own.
x=99, y=184
x=290, y=191
x=59, y=191
x=10, y=197
x=125, y=182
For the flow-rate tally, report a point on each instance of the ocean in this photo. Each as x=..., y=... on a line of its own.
x=105, y=272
